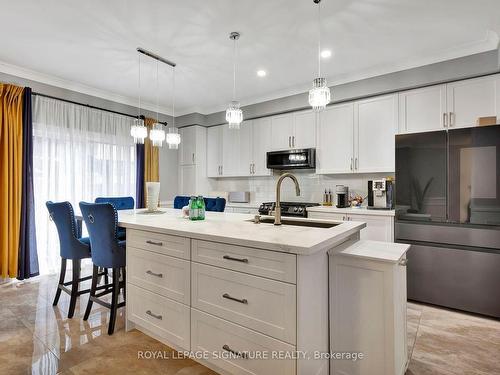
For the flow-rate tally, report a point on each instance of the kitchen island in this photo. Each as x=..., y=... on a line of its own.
x=239, y=297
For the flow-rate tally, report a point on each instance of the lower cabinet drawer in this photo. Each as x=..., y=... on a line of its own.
x=167, y=319
x=237, y=348
x=165, y=275
x=174, y=246
x=261, y=304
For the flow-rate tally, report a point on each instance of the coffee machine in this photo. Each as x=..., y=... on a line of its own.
x=381, y=194
x=342, y=196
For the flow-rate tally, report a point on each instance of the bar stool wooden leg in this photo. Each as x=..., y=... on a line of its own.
x=114, y=300
x=75, y=282
x=95, y=278
x=62, y=276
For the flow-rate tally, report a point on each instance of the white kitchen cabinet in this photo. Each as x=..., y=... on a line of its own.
x=245, y=154
x=304, y=135
x=261, y=144
x=214, y=151
x=293, y=130
x=230, y=151
x=467, y=100
x=193, y=161
x=448, y=106
x=335, y=146
x=281, y=131
x=378, y=227
x=369, y=294
x=422, y=109
x=187, y=147
x=374, y=145
x=358, y=137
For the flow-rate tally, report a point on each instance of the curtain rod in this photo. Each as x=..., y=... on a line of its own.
x=84, y=105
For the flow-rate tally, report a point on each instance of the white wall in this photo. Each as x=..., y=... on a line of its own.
x=262, y=189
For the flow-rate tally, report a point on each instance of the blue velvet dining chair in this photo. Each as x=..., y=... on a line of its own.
x=72, y=247
x=101, y=220
x=211, y=204
x=120, y=203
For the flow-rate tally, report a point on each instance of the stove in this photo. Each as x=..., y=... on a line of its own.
x=297, y=209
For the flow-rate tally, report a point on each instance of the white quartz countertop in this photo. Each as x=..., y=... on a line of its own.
x=376, y=250
x=351, y=210
x=239, y=229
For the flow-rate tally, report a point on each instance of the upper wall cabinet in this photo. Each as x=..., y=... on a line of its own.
x=293, y=130
x=239, y=153
x=187, y=147
x=335, y=139
x=377, y=122
x=357, y=137
x=473, y=98
x=422, y=109
x=214, y=151
x=453, y=105
x=261, y=144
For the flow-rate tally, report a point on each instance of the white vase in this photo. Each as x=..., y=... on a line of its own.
x=152, y=195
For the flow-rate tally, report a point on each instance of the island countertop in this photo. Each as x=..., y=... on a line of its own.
x=239, y=229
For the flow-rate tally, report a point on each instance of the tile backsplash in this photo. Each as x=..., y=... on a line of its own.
x=312, y=186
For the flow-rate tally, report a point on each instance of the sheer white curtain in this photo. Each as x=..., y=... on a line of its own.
x=79, y=154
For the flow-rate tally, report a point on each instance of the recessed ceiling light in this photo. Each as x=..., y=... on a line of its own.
x=261, y=73
x=326, y=53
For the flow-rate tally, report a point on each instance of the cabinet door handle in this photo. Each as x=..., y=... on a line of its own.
x=159, y=317
x=243, y=300
x=149, y=272
x=356, y=163
x=289, y=141
x=351, y=164
x=154, y=243
x=445, y=120
x=403, y=262
x=293, y=141
x=451, y=118
x=236, y=353
x=192, y=157
x=229, y=257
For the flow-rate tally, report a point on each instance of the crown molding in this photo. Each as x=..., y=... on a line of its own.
x=78, y=87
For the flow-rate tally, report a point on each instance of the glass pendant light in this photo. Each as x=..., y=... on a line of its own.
x=319, y=95
x=234, y=115
x=138, y=131
x=157, y=134
x=173, y=136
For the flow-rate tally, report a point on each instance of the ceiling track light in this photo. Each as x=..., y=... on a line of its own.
x=319, y=95
x=234, y=115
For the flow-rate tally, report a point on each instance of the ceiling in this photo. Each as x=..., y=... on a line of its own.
x=89, y=46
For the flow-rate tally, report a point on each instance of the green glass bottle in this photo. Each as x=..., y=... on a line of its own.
x=193, y=208
x=201, y=208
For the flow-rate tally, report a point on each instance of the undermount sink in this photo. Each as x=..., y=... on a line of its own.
x=298, y=223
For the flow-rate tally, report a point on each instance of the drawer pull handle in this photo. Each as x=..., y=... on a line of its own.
x=149, y=272
x=243, y=300
x=154, y=243
x=403, y=262
x=242, y=260
x=238, y=354
x=159, y=317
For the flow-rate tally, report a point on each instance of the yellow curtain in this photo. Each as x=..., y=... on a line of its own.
x=151, y=159
x=11, y=164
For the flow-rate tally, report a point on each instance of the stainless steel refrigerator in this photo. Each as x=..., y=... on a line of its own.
x=448, y=208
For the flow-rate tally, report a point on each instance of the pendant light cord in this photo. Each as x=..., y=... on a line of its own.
x=173, y=97
x=234, y=70
x=157, y=94
x=319, y=39
x=139, y=84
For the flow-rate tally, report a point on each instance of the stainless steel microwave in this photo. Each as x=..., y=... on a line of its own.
x=292, y=159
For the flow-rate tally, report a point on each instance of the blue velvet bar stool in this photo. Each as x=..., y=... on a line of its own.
x=101, y=220
x=72, y=247
x=211, y=204
x=120, y=203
